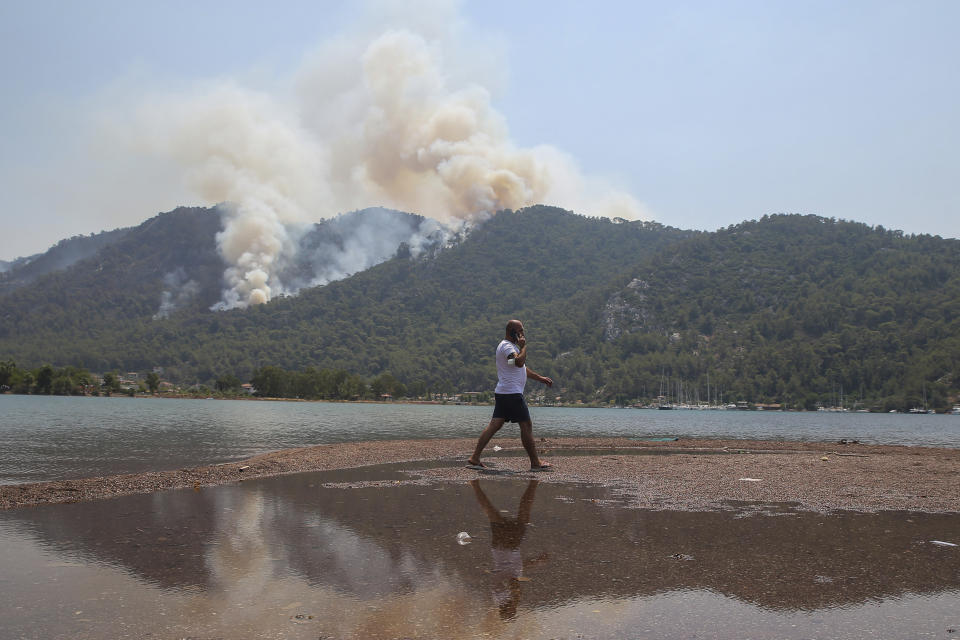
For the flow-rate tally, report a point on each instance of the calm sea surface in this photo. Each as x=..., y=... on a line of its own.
x=47, y=438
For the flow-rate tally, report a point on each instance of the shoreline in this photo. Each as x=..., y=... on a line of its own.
x=685, y=474
x=450, y=403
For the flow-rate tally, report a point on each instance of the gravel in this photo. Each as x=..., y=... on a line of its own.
x=691, y=475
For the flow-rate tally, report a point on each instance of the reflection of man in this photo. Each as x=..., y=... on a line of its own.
x=506, y=536
x=512, y=374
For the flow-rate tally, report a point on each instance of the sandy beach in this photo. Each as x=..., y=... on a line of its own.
x=690, y=475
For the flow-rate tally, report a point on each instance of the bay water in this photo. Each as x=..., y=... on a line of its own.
x=51, y=437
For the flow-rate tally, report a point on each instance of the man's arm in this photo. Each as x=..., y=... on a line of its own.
x=533, y=375
x=520, y=359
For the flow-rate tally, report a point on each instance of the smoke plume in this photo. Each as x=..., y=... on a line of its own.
x=370, y=119
x=178, y=291
x=353, y=242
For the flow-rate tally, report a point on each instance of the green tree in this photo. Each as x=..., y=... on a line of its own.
x=271, y=382
x=22, y=381
x=63, y=384
x=44, y=380
x=111, y=383
x=153, y=382
x=228, y=382
x=8, y=370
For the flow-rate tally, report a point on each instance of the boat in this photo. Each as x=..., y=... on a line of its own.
x=956, y=410
x=919, y=410
x=662, y=400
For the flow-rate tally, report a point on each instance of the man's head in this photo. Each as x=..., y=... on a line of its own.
x=514, y=329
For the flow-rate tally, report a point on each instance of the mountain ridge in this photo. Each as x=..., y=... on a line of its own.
x=788, y=308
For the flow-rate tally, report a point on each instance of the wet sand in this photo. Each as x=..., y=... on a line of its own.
x=690, y=475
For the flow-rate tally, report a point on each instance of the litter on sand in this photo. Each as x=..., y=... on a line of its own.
x=749, y=479
x=942, y=543
x=464, y=538
x=497, y=447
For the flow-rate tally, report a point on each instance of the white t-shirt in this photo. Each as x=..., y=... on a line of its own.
x=510, y=377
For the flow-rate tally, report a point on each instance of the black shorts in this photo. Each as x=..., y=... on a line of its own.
x=511, y=407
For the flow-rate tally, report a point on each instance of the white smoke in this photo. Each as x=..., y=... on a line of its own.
x=241, y=147
x=373, y=120
x=362, y=240
x=179, y=291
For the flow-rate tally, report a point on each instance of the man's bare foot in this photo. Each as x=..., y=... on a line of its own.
x=476, y=465
x=543, y=466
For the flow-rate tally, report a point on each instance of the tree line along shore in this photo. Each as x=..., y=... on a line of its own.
x=333, y=385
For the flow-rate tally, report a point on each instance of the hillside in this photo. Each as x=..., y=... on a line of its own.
x=167, y=264
x=794, y=309
x=23, y=271
x=410, y=315
x=123, y=281
x=430, y=321
x=788, y=309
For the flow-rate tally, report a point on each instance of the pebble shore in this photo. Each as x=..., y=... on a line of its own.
x=690, y=475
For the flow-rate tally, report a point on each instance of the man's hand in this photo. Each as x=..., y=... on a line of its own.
x=521, y=341
x=547, y=381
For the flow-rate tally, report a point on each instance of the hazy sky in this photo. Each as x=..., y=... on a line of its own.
x=707, y=113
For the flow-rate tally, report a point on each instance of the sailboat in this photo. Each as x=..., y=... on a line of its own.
x=662, y=403
x=916, y=410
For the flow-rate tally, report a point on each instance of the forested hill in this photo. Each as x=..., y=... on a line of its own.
x=434, y=321
x=167, y=265
x=122, y=282
x=794, y=309
x=788, y=309
x=426, y=318
x=23, y=271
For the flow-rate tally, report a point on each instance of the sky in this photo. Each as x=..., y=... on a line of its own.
x=696, y=114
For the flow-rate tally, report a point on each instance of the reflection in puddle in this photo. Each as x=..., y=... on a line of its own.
x=290, y=557
x=506, y=534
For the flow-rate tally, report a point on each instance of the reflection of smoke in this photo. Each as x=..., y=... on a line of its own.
x=178, y=292
x=374, y=120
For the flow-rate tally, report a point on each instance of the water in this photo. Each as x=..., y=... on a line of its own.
x=47, y=438
x=303, y=556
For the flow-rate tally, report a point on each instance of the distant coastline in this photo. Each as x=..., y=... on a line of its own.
x=411, y=401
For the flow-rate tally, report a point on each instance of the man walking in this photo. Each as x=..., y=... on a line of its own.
x=512, y=374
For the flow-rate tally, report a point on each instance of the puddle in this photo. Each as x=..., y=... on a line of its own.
x=380, y=472
x=293, y=557
x=401, y=470
x=398, y=470
x=546, y=449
